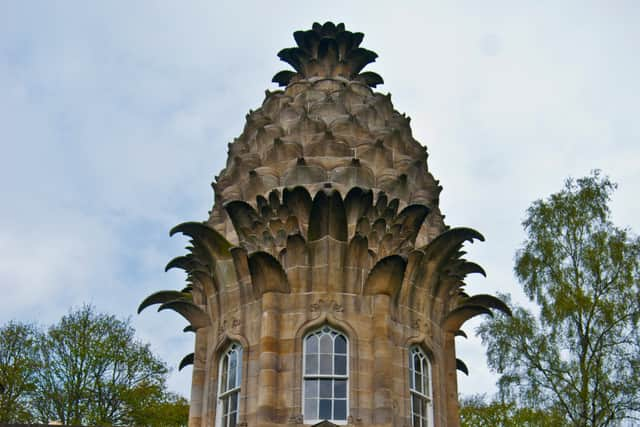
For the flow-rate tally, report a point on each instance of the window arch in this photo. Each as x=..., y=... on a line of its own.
x=420, y=388
x=229, y=380
x=325, y=387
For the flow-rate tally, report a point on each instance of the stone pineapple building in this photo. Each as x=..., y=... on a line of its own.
x=325, y=288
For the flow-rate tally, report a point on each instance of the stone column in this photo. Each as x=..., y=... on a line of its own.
x=451, y=380
x=198, y=379
x=268, y=360
x=382, y=381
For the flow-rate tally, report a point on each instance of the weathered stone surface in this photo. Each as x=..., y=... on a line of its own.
x=326, y=213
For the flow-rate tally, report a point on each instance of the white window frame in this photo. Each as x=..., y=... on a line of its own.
x=324, y=330
x=424, y=391
x=227, y=392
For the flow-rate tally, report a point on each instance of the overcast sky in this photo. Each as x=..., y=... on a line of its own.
x=115, y=117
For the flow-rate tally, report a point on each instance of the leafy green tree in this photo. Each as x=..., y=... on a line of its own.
x=475, y=411
x=151, y=406
x=580, y=355
x=18, y=365
x=91, y=363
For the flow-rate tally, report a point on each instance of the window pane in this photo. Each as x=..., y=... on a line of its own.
x=312, y=344
x=325, y=388
x=341, y=345
x=427, y=381
x=416, y=404
x=412, y=385
x=239, y=367
x=326, y=344
x=325, y=364
x=340, y=389
x=418, y=382
x=311, y=409
x=325, y=409
x=423, y=408
x=232, y=420
x=232, y=370
x=223, y=373
x=310, y=388
x=311, y=364
x=341, y=365
x=417, y=364
x=416, y=421
x=233, y=402
x=340, y=409
x=325, y=369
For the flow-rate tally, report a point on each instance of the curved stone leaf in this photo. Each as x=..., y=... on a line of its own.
x=372, y=79
x=267, y=274
x=412, y=217
x=386, y=277
x=296, y=251
x=328, y=217
x=460, y=333
x=458, y=316
x=488, y=301
x=356, y=203
x=216, y=244
x=283, y=77
x=360, y=58
x=298, y=201
x=187, y=360
x=161, y=297
x=197, y=317
x=468, y=267
x=240, y=262
x=184, y=262
x=450, y=242
x=462, y=367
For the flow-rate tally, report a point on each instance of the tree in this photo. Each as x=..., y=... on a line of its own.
x=18, y=364
x=475, y=411
x=149, y=406
x=580, y=355
x=92, y=362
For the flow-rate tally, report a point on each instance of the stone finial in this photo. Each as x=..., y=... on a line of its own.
x=327, y=50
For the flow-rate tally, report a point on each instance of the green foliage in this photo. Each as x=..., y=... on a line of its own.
x=475, y=411
x=581, y=355
x=148, y=407
x=88, y=369
x=18, y=365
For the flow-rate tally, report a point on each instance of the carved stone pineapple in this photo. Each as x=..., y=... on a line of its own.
x=326, y=216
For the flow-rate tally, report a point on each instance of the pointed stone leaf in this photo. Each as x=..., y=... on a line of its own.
x=462, y=367
x=328, y=217
x=488, y=301
x=372, y=79
x=460, y=333
x=184, y=262
x=161, y=297
x=267, y=274
x=457, y=317
x=187, y=360
x=283, y=77
x=201, y=233
x=197, y=317
x=386, y=277
x=448, y=243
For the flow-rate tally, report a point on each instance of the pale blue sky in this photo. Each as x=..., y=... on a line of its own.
x=115, y=117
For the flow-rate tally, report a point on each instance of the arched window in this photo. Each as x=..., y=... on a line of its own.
x=420, y=387
x=326, y=376
x=229, y=380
